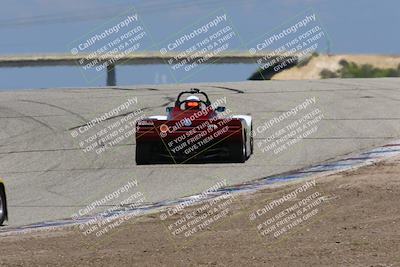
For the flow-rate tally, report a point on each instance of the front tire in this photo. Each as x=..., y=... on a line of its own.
x=251, y=140
x=3, y=205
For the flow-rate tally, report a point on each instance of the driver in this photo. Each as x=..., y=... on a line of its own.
x=192, y=102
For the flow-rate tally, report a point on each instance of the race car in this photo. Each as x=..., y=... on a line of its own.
x=3, y=203
x=194, y=130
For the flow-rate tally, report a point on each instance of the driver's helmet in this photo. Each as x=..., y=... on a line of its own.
x=192, y=102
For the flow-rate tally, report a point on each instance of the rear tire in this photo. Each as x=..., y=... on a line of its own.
x=143, y=153
x=238, y=152
x=251, y=140
x=3, y=205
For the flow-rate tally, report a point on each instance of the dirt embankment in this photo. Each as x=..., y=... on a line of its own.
x=314, y=67
x=355, y=223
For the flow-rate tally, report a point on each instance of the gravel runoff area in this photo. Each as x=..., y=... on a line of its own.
x=346, y=219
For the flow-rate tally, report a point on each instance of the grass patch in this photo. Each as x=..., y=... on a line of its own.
x=353, y=70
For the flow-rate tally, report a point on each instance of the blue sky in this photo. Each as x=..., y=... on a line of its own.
x=49, y=26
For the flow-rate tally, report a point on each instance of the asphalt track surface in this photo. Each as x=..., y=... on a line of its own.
x=48, y=175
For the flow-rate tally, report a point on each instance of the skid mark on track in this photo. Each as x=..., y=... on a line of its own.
x=25, y=116
x=133, y=89
x=230, y=89
x=170, y=100
x=40, y=150
x=56, y=107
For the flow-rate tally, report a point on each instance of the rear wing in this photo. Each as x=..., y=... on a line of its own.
x=149, y=129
